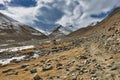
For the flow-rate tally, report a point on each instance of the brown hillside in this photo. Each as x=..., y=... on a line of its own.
x=108, y=26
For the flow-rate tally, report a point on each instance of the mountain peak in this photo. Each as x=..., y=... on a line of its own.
x=12, y=30
x=57, y=33
x=4, y=18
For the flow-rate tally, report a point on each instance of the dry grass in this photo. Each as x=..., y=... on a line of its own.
x=62, y=57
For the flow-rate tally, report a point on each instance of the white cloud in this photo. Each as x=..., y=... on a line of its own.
x=75, y=12
x=82, y=13
x=24, y=15
x=1, y=2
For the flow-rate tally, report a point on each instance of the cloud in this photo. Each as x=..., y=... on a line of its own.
x=45, y=15
x=88, y=11
x=1, y=2
x=2, y=7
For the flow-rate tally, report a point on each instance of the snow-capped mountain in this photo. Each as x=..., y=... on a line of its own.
x=61, y=31
x=12, y=30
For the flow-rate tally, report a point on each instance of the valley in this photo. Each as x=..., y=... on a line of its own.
x=90, y=53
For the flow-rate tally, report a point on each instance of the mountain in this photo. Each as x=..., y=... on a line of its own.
x=109, y=26
x=57, y=33
x=12, y=30
x=61, y=31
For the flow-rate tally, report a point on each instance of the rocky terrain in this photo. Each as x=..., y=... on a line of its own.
x=73, y=59
x=91, y=53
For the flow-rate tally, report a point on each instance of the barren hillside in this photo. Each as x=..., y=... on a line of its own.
x=109, y=26
x=12, y=31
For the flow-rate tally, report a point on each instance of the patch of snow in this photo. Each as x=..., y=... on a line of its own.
x=37, y=34
x=3, y=45
x=48, y=41
x=10, y=40
x=6, y=61
x=2, y=50
x=14, y=49
x=35, y=56
x=58, y=40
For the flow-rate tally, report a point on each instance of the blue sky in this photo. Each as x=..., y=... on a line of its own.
x=46, y=15
x=23, y=3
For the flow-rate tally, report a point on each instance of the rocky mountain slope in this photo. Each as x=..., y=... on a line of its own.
x=11, y=30
x=108, y=26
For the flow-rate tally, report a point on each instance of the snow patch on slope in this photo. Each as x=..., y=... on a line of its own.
x=6, y=61
x=14, y=49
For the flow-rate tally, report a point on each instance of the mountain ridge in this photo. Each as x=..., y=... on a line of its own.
x=11, y=30
x=108, y=22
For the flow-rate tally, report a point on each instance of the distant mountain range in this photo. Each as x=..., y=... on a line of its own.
x=12, y=30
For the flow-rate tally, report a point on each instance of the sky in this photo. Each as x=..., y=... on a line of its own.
x=46, y=15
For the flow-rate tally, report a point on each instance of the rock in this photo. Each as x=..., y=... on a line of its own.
x=35, y=65
x=67, y=69
x=26, y=69
x=24, y=65
x=86, y=62
x=114, y=68
x=74, y=78
x=93, y=75
x=33, y=70
x=109, y=65
x=50, y=77
x=16, y=72
x=37, y=77
x=98, y=66
x=111, y=57
x=59, y=66
x=82, y=71
x=92, y=78
x=15, y=61
x=92, y=71
x=57, y=77
x=83, y=57
x=7, y=70
x=48, y=61
x=46, y=68
x=0, y=65
x=81, y=79
x=94, y=60
x=42, y=61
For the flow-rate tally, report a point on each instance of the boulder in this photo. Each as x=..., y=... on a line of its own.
x=33, y=70
x=37, y=77
x=7, y=70
x=46, y=68
x=24, y=65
